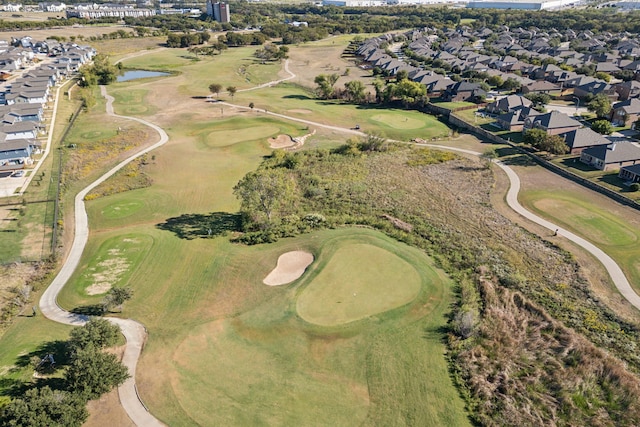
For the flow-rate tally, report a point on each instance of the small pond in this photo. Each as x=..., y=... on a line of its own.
x=140, y=74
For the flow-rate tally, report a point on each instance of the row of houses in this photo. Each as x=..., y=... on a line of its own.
x=23, y=101
x=514, y=113
x=513, y=54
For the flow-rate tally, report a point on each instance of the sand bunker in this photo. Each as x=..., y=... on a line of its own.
x=290, y=266
x=300, y=111
x=282, y=141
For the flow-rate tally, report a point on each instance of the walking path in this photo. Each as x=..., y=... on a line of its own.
x=134, y=332
x=615, y=272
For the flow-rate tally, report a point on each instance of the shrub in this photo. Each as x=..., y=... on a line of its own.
x=635, y=186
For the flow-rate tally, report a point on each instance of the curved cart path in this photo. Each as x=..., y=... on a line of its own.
x=134, y=332
x=614, y=270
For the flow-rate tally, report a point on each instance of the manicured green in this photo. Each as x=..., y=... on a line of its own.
x=131, y=102
x=618, y=238
x=357, y=282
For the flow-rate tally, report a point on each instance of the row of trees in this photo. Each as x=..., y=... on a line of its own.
x=409, y=93
x=88, y=373
x=216, y=88
x=187, y=39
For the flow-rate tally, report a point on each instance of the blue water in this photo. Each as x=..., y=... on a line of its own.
x=140, y=74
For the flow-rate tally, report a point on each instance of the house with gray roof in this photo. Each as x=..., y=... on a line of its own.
x=630, y=173
x=625, y=112
x=553, y=123
x=582, y=138
x=508, y=103
x=612, y=156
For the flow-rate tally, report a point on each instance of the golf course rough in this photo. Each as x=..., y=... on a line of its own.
x=360, y=280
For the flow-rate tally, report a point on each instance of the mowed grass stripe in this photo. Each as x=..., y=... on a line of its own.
x=358, y=281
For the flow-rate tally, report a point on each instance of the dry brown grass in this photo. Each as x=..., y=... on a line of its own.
x=85, y=32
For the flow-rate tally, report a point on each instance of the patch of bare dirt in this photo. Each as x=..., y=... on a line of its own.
x=290, y=266
x=110, y=272
x=281, y=141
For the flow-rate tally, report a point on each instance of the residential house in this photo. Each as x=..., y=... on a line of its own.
x=581, y=138
x=540, y=86
x=625, y=112
x=19, y=130
x=464, y=91
x=553, y=123
x=611, y=156
x=595, y=88
x=16, y=153
x=508, y=103
x=630, y=173
x=626, y=90
x=514, y=120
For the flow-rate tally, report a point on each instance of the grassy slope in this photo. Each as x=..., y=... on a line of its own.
x=612, y=234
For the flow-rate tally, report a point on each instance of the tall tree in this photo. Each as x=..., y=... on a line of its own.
x=266, y=195
x=215, y=88
x=92, y=373
x=600, y=104
x=232, y=91
x=325, y=84
x=116, y=297
x=43, y=407
x=355, y=91
x=97, y=332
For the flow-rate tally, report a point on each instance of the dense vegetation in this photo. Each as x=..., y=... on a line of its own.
x=87, y=372
x=516, y=342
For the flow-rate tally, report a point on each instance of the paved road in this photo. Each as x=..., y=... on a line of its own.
x=134, y=332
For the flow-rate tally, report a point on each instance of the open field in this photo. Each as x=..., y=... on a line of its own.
x=193, y=176
x=79, y=32
x=234, y=67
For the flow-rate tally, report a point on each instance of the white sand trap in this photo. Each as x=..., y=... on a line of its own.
x=300, y=111
x=282, y=141
x=291, y=265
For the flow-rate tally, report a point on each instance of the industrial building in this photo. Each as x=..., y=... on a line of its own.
x=527, y=5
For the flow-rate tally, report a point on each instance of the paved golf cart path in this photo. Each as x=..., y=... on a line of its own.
x=134, y=332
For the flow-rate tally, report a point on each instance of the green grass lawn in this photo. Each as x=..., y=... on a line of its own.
x=609, y=232
x=26, y=337
x=131, y=102
x=379, y=369
x=202, y=299
x=357, y=282
x=453, y=105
